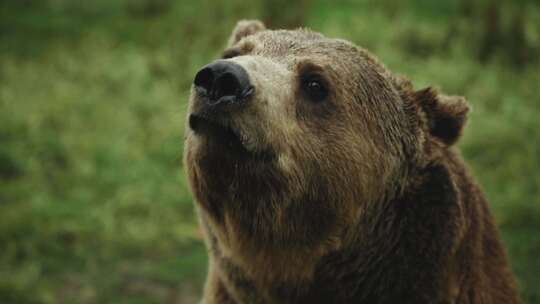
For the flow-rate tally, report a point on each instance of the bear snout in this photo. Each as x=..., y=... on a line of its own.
x=222, y=86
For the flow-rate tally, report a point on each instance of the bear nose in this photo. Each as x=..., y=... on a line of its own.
x=223, y=82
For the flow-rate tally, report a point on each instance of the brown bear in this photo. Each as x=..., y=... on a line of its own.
x=321, y=177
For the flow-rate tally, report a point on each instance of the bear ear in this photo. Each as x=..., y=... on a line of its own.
x=446, y=115
x=245, y=28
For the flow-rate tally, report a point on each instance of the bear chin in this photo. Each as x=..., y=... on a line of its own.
x=225, y=141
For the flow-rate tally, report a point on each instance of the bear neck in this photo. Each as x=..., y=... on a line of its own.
x=403, y=239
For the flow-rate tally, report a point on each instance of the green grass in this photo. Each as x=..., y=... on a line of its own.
x=94, y=206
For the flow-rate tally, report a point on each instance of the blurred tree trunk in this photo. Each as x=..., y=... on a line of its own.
x=510, y=41
x=284, y=13
x=491, y=32
x=467, y=8
x=148, y=8
x=517, y=46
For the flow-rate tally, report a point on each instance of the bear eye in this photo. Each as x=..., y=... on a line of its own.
x=315, y=88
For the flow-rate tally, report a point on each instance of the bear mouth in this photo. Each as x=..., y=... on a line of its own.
x=224, y=135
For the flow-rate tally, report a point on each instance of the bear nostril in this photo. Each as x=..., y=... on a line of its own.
x=226, y=85
x=204, y=79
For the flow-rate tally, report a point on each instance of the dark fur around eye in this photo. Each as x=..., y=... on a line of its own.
x=314, y=87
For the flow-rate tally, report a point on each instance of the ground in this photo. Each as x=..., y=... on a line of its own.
x=94, y=206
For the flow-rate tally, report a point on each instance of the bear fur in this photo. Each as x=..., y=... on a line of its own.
x=358, y=197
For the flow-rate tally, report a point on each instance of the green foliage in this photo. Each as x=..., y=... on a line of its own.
x=94, y=206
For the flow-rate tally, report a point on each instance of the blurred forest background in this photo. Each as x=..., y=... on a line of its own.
x=94, y=206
